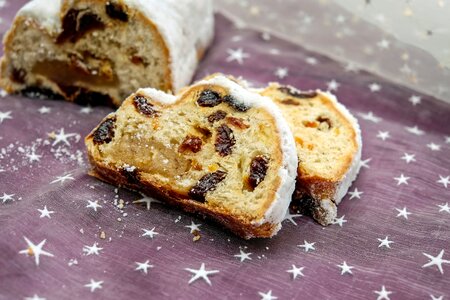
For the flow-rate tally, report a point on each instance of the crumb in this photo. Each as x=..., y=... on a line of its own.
x=103, y=235
x=197, y=235
x=82, y=231
x=119, y=219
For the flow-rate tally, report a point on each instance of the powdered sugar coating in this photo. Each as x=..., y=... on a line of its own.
x=187, y=28
x=158, y=96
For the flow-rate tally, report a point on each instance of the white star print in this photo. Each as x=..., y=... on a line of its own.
x=201, y=273
x=444, y=207
x=62, y=179
x=194, y=227
x=436, y=261
x=436, y=298
x=307, y=246
x=33, y=157
x=93, y=285
x=340, y=221
x=143, y=266
x=434, y=147
x=290, y=217
x=374, y=87
x=383, y=294
x=333, y=85
x=296, y=272
x=267, y=296
x=147, y=200
x=365, y=163
x=150, y=233
x=45, y=212
x=86, y=110
x=403, y=213
x=93, y=204
x=345, y=268
x=35, y=251
x=415, y=100
x=385, y=243
x=35, y=296
x=311, y=60
x=281, y=73
x=402, y=179
x=243, y=256
x=383, y=44
x=7, y=197
x=415, y=130
x=237, y=55
x=383, y=135
x=89, y=250
x=63, y=137
x=4, y=116
x=370, y=117
x=44, y=110
x=409, y=157
x=445, y=181
x=355, y=194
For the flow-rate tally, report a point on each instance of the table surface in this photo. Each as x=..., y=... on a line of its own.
x=392, y=231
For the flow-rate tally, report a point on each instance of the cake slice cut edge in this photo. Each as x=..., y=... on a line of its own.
x=329, y=146
x=254, y=175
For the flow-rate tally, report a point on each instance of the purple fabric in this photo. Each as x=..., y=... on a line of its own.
x=402, y=268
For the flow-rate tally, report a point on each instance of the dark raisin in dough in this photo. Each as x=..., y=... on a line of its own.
x=116, y=11
x=18, y=75
x=144, y=107
x=77, y=23
x=207, y=183
x=105, y=132
x=225, y=140
x=217, y=116
x=209, y=98
x=296, y=93
x=258, y=170
x=235, y=104
x=192, y=144
x=131, y=174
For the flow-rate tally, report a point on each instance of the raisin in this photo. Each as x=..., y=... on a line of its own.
x=258, y=170
x=209, y=98
x=116, y=11
x=105, y=132
x=238, y=122
x=137, y=60
x=131, y=173
x=217, y=116
x=18, y=75
x=290, y=102
x=191, y=143
x=144, y=107
x=225, y=140
x=77, y=23
x=206, y=184
x=304, y=204
x=296, y=93
x=235, y=104
x=324, y=120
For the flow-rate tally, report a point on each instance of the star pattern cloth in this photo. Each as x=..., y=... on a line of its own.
x=66, y=235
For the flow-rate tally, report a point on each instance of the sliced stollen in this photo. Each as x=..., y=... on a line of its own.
x=329, y=147
x=99, y=52
x=216, y=149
